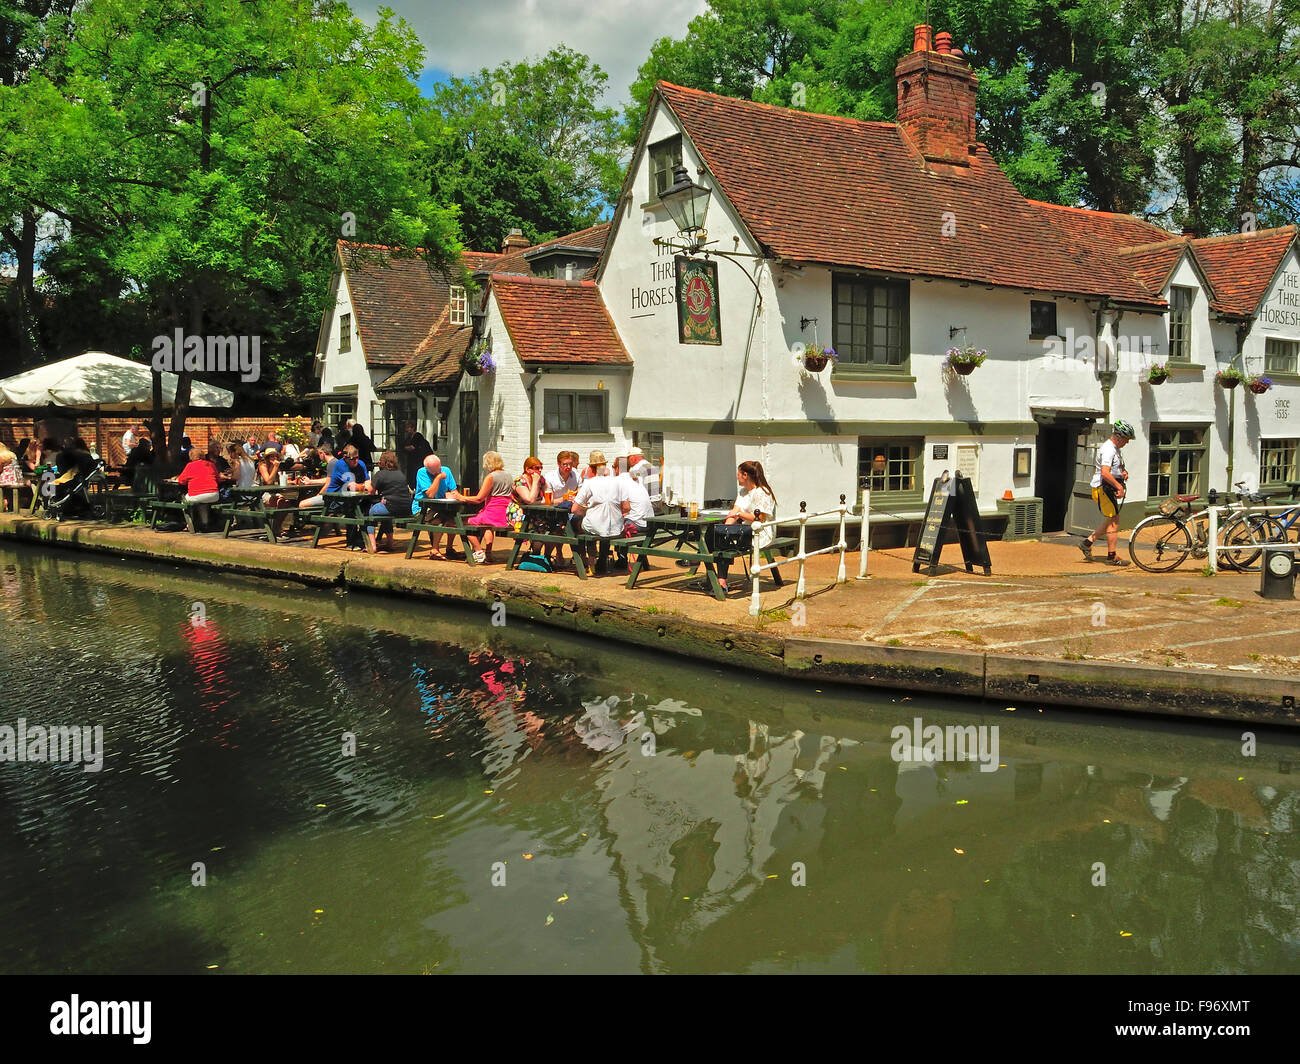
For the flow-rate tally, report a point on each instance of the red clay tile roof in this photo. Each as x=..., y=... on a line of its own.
x=841, y=192
x=517, y=262
x=553, y=321
x=1101, y=229
x=396, y=299
x=1153, y=263
x=436, y=360
x=1241, y=265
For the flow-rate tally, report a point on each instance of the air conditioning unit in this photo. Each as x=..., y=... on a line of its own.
x=1024, y=518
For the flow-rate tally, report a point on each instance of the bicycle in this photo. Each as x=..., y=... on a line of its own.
x=1163, y=541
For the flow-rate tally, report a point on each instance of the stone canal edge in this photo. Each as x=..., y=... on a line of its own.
x=1201, y=694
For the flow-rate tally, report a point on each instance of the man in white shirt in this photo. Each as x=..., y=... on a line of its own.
x=601, y=504
x=640, y=508
x=644, y=474
x=1109, y=486
x=563, y=481
x=128, y=441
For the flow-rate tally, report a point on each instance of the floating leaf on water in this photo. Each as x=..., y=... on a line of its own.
x=528, y=857
x=955, y=850
x=1104, y=821
x=550, y=919
x=843, y=769
x=320, y=805
x=961, y=801
x=1126, y=934
x=773, y=876
x=318, y=910
x=562, y=898
x=1011, y=709
x=211, y=966
x=438, y=817
x=489, y=791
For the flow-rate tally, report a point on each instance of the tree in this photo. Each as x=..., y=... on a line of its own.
x=520, y=130
x=210, y=152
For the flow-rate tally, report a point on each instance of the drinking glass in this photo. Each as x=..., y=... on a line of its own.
x=694, y=510
x=546, y=495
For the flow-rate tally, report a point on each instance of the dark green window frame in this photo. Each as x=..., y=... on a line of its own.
x=871, y=324
x=1176, y=461
x=345, y=332
x=1042, y=318
x=1180, y=324
x=576, y=413
x=1281, y=356
x=665, y=157
x=1279, y=462
x=901, y=480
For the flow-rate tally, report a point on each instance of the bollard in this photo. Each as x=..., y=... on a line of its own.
x=864, y=543
x=803, y=523
x=1214, y=539
x=841, y=574
x=754, y=600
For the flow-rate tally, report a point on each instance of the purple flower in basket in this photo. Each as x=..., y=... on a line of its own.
x=487, y=362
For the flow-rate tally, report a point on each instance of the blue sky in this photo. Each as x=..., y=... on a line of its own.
x=462, y=38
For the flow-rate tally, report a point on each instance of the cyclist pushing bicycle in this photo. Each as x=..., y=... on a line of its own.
x=1109, y=485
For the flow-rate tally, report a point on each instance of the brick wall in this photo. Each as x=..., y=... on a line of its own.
x=199, y=430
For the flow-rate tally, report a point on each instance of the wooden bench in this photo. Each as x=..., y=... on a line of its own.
x=578, y=544
x=255, y=514
x=709, y=561
x=13, y=495
x=415, y=527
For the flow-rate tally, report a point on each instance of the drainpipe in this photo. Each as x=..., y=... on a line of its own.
x=1243, y=331
x=532, y=411
x=1107, y=319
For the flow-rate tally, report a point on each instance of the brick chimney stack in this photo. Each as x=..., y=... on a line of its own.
x=936, y=98
x=514, y=241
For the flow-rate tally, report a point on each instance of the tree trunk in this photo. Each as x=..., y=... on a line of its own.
x=27, y=306
x=181, y=409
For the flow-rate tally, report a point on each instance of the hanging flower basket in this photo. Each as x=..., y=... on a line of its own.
x=815, y=359
x=1158, y=374
x=1229, y=378
x=477, y=364
x=964, y=360
x=1259, y=385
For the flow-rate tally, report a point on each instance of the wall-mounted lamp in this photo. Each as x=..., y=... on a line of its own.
x=805, y=322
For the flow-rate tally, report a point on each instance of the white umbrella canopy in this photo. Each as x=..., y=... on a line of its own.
x=97, y=380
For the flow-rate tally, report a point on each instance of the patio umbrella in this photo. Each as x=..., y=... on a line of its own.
x=102, y=382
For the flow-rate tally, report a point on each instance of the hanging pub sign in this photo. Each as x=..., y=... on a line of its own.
x=952, y=507
x=698, y=321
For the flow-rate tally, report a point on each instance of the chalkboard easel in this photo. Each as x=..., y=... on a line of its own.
x=952, y=505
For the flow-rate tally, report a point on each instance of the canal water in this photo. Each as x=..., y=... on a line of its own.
x=301, y=781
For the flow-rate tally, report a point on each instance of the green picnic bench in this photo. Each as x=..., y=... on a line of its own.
x=452, y=524
x=692, y=547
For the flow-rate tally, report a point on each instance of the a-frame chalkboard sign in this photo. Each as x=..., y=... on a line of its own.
x=952, y=505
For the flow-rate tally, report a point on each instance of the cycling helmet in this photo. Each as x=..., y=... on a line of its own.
x=1123, y=428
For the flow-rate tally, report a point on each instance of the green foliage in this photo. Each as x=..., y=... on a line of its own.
x=524, y=145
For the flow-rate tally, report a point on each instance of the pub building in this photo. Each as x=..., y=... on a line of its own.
x=749, y=236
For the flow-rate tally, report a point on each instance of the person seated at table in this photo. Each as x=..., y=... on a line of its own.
x=527, y=492
x=755, y=501
x=601, y=505
x=394, y=497
x=640, y=508
x=314, y=462
x=345, y=473
x=199, y=479
x=141, y=455
x=243, y=474
x=494, y=497
x=251, y=449
x=11, y=469
x=28, y=457
x=272, y=443
x=435, y=481
x=564, y=480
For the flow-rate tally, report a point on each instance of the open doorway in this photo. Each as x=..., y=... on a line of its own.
x=1054, y=480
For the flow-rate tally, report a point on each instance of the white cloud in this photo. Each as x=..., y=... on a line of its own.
x=461, y=38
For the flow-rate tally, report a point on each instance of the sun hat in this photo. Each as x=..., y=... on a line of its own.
x=636, y=452
x=596, y=459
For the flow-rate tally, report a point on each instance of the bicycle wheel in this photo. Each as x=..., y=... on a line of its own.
x=1159, y=544
x=1248, y=533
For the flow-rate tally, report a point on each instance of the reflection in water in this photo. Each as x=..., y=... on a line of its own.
x=644, y=823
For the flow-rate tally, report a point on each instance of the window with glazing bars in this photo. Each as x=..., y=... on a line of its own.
x=1176, y=458
x=578, y=412
x=1180, y=323
x=890, y=468
x=870, y=322
x=1277, y=462
x=1281, y=356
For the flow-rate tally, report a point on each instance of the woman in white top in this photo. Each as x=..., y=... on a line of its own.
x=755, y=501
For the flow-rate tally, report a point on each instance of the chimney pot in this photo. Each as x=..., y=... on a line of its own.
x=514, y=241
x=943, y=43
x=921, y=39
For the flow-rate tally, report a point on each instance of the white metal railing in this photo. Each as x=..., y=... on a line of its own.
x=757, y=565
x=1214, y=547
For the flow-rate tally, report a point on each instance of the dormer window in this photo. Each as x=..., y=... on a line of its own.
x=664, y=158
x=1180, y=323
x=459, y=312
x=345, y=332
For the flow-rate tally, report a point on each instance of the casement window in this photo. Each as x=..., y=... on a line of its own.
x=664, y=158
x=334, y=414
x=1042, y=319
x=652, y=446
x=345, y=332
x=891, y=469
x=871, y=323
x=458, y=312
x=576, y=412
x=1180, y=323
x=1281, y=356
x=1277, y=462
x=1176, y=460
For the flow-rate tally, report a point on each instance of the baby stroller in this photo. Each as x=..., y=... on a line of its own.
x=73, y=497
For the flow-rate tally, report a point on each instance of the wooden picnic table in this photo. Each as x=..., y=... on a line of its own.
x=691, y=546
x=439, y=517
x=344, y=508
x=29, y=483
x=548, y=523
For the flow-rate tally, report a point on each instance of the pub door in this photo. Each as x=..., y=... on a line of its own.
x=468, y=473
x=1054, y=482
